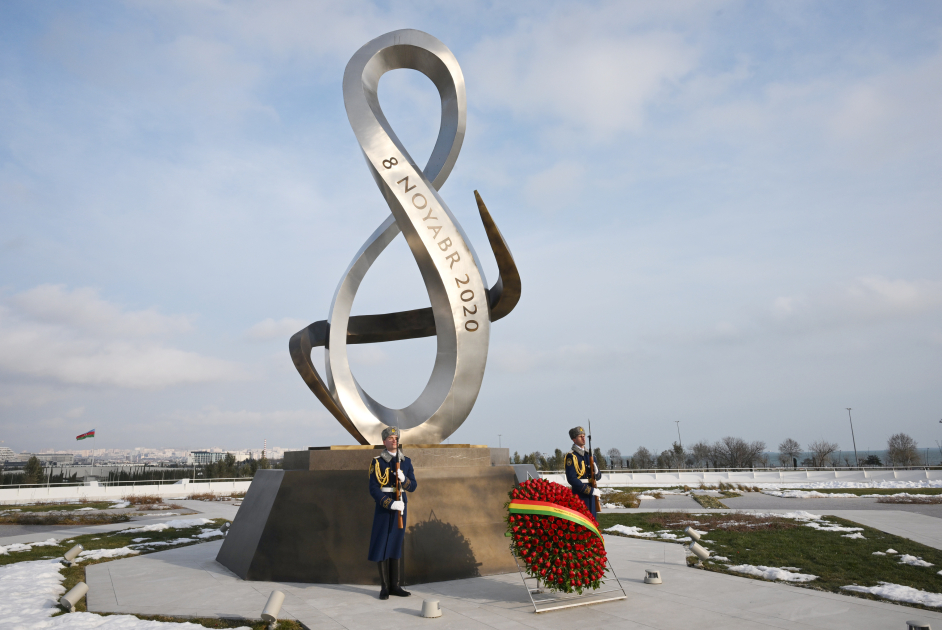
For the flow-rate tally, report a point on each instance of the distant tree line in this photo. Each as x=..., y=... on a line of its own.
x=734, y=452
x=33, y=473
x=228, y=467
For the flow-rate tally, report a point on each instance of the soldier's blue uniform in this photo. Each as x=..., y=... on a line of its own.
x=386, y=537
x=578, y=474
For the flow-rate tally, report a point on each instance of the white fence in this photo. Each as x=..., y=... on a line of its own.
x=654, y=479
x=95, y=491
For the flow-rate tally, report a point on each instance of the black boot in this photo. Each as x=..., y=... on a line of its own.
x=383, y=579
x=394, y=576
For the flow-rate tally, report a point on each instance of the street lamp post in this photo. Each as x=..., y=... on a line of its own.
x=852, y=437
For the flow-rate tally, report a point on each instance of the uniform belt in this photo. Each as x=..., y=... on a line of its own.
x=388, y=489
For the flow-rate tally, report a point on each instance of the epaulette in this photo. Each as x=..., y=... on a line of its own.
x=569, y=459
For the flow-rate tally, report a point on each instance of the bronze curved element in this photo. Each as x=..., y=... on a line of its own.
x=414, y=324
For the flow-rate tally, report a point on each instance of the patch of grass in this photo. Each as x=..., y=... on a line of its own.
x=61, y=518
x=866, y=491
x=143, y=499
x=206, y=496
x=779, y=542
x=111, y=540
x=58, y=507
x=624, y=499
x=921, y=499
x=152, y=507
x=709, y=502
x=640, y=489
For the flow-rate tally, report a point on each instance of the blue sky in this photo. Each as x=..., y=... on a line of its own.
x=724, y=213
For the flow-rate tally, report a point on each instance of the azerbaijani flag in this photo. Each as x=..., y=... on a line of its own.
x=545, y=508
x=86, y=435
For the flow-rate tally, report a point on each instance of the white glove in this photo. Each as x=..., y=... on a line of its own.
x=402, y=476
x=399, y=506
x=595, y=467
x=596, y=493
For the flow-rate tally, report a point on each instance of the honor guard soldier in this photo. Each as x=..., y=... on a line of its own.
x=386, y=538
x=578, y=473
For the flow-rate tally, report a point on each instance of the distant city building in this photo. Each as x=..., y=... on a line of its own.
x=7, y=454
x=59, y=459
x=207, y=457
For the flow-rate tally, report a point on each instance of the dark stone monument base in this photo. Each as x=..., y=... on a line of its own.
x=311, y=521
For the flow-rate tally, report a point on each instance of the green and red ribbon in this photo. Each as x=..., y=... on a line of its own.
x=545, y=508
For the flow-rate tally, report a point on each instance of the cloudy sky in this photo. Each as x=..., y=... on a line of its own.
x=724, y=213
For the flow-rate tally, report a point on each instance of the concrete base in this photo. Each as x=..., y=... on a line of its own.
x=312, y=524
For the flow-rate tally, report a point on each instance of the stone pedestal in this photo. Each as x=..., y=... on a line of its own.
x=311, y=521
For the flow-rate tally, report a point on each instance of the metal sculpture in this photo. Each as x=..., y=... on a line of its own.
x=462, y=305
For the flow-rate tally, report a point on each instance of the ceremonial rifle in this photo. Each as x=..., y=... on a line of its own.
x=598, y=504
x=398, y=484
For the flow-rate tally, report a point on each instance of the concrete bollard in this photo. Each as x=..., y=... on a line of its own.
x=430, y=609
x=70, y=599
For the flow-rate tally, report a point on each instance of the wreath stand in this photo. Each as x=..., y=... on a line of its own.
x=544, y=599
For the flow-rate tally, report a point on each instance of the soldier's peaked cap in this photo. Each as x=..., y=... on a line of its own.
x=390, y=431
x=576, y=432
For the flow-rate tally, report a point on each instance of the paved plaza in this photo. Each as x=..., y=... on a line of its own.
x=188, y=581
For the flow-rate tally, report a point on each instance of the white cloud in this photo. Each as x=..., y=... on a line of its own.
x=269, y=329
x=864, y=301
x=210, y=416
x=581, y=68
x=78, y=338
x=82, y=309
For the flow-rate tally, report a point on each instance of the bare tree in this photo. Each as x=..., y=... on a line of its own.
x=788, y=451
x=643, y=458
x=614, y=456
x=733, y=452
x=821, y=452
x=665, y=459
x=700, y=452
x=902, y=450
x=678, y=456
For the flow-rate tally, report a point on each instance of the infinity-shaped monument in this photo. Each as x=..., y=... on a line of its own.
x=462, y=305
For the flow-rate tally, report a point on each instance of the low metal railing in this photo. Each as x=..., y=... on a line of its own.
x=757, y=469
x=155, y=482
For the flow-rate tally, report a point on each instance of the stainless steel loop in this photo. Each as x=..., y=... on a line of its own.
x=462, y=307
x=449, y=266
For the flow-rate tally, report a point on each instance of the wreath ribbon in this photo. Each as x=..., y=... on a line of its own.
x=545, y=508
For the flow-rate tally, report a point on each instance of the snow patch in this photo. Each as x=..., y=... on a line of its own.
x=878, y=553
x=98, y=554
x=4, y=551
x=175, y=524
x=630, y=531
x=824, y=526
x=899, y=593
x=855, y=535
x=772, y=573
x=914, y=561
x=29, y=592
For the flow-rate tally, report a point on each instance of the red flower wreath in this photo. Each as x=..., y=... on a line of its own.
x=564, y=555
